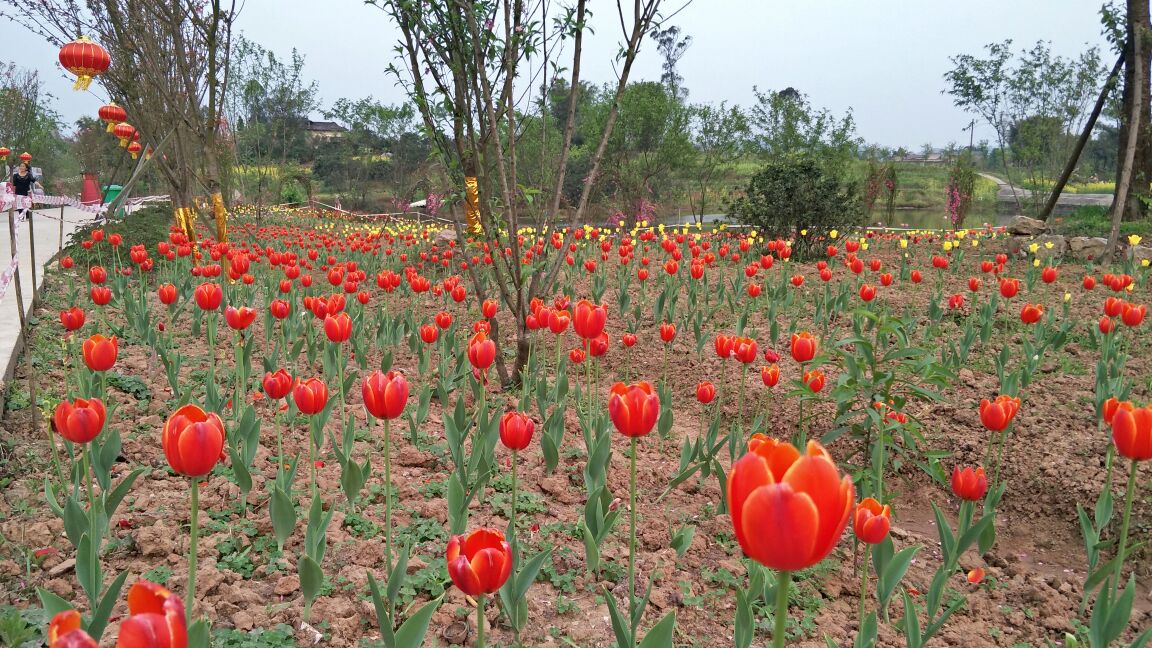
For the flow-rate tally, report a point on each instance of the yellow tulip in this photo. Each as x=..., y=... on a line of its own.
x=1032, y=248
x=1134, y=239
x=833, y=234
x=903, y=243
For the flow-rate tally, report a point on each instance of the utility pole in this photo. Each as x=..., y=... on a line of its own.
x=971, y=134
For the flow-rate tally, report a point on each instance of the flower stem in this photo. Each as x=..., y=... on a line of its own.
x=864, y=587
x=784, y=578
x=93, y=540
x=632, y=544
x=190, y=601
x=1123, y=546
x=388, y=494
x=480, y=621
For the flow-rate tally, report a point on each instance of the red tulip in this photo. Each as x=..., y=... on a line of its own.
x=628, y=340
x=67, y=263
x=239, y=319
x=155, y=618
x=633, y=408
x=1113, y=306
x=576, y=356
x=598, y=346
x=72, y=319
x=1133, y=315
x=872, y=521
x=667, y=332
x=1048, y=274
x=969, y=484
x=338, y=327
x=917, y=277
x=788, y=510
x=167, y=294
x=277, y=385
x=192, y=441
x=480, y=562
x=64, y=632
x=803, y=346
x=310, y=395
x=516, y=429
x=97, y=275
x=998, y=414
x=429, y=333
x=723, y=345
x=279, y=308
x=754, y=290
x=973, y=284
x=867, y=292
x=558, y=321
x=886, y=279
x=797, y=280
x=1107, y=325
x=1089, y=282
x=956, y=302
x=481, y=351
x=1132, y=432
x=589, y=319
x=208, y=296
x=79, y=421
x=1031, y=313
x=770, y=375
x=385, y=394
x=1009, y=287
x=100, y=352
x=705, y=392
x=443, y=320
x=101, y=295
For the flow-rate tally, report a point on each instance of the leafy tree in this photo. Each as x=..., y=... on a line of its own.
x=785, y=124
x=383, y=142
x=1005, y=89
x=27, y=123
x=797, y=197
x=718, y=135
x=672, y=47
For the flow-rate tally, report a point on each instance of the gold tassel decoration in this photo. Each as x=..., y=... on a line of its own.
x=472, y=203
x=221, y=214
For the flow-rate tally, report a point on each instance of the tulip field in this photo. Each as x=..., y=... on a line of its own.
x=348, y=433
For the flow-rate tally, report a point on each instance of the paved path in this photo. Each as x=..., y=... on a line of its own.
x=46, y=225
x=1006, y=193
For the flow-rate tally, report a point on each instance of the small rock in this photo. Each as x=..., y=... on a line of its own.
x=243, y=621
x=287, y=585
x=1087, y=248
x=1025, y=226
x=62, y=568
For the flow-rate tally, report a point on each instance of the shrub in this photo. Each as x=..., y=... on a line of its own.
x=796, y=198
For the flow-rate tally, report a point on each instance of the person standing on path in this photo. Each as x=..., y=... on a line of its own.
x=22, y=183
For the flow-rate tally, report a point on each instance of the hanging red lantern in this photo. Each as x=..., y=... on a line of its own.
x=112, y=114
x=136, y=136
x=85, y=59
x=4, y=151
x=134, y=148
x=148, y=153
x=124, y=132
x=25, y=157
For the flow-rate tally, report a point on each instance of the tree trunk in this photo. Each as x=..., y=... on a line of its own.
x=1124, y=182
x=1058, y=188
x=1138, y=47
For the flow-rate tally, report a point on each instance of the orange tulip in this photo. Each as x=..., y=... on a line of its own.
x=633, y=408
x=1132, y=433
x=815, y=380
x=788, y=509
x=100, y=352
x=155, y=618
x=1111, y=406
x=192, y=441
x=79, y=421
x=480, y=562
x=770, y=375
x=64, y=632
x=998, y=414
x=872, y=521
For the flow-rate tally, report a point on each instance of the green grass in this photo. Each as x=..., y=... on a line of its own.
x=1095, y=221
x=147, y=226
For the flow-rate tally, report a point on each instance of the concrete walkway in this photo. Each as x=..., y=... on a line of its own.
x=1007, y=194
x=46, y=226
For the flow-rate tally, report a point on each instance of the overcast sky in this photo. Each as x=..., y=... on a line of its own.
x=883, y=58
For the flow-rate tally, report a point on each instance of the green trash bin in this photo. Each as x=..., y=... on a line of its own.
x=110, y=194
